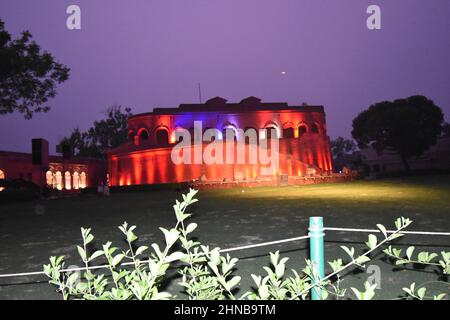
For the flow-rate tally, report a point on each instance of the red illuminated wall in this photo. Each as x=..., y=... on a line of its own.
x=143, y=161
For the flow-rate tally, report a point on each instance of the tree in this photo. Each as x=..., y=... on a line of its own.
x=104, y=135
x=446, y=130
x=342, y=149
x=408, y=126
x=28, y=77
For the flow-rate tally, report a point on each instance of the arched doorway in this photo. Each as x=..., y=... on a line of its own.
x=143, y=136
x=83, y=180
x=271, y=132
x=49, y=178
x=76, y=180
x=2, y=177
x=58, y=180
x=162, y=137
x=68, y=180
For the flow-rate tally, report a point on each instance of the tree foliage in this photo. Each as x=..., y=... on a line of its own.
x=342, y=150
x=341, y=147
x=28, y=76
x=104, y=135
x=408, y=126
x=446, y=130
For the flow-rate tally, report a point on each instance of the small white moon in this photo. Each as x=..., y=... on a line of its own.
x=283, y=72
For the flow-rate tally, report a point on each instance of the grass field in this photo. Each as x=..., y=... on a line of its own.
x=31, y=232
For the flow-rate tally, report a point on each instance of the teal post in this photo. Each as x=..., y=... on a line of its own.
x=316, y=234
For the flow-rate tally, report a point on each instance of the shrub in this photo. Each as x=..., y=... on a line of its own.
x=138, y=272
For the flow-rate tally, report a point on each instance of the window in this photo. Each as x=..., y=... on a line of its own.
x=302, y=130
x=68, y=180
x=288, y=133
x=315, y=128
x=162, y=137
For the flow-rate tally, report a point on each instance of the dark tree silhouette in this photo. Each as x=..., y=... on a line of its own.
x=409, y=126
x=28, y=77
x=342, y=150
x=341, y=147
x=446, y=130
x=104, y=135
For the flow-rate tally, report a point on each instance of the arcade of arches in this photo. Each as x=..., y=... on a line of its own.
x=58, y=180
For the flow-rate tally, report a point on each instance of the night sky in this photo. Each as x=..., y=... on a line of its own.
x=152, y=53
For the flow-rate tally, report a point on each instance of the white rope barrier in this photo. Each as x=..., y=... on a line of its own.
x=264, y=244
x=389, y=231
x=251, y=246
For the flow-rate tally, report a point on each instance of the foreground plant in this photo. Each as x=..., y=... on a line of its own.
x=138, y=272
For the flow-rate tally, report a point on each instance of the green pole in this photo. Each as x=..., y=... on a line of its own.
x=316, y=234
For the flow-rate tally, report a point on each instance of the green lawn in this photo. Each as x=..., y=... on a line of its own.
x=31, y=232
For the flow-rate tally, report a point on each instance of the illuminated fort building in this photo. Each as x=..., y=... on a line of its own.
x=304, y=146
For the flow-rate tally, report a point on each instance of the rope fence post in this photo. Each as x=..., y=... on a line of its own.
x=316, y=245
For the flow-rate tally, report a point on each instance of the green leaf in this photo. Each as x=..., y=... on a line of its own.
x=423, y=256
x=372, y=242
x=421, y=293
x=432, y=256
x=382, y=229
x=117, y=259
x=395, y=236
x=357, y=293
x=257, y=280
x=82, y=253
x=398, y=223
x=191, y=227
x=362, y=259
x=96, y=254
x=175, y=256
x=72, y=279
x=280, y=269
x=263, y=292
x=409, y=252
x=89, y=239
x=141, y=249
x=215, y=256
x=350, y=252
x=162, y=296
x=157, y=250
x=233, y=282
x=439, y=296
x=170, y=236
x=336, y=264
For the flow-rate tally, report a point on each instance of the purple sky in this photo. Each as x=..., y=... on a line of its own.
x=152, y=53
